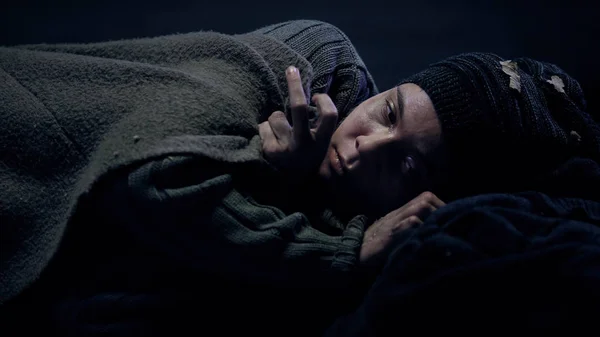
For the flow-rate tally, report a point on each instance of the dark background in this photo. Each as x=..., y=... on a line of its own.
x=395, y=38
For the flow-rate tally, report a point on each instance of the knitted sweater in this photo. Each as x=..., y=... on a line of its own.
x=137, y=113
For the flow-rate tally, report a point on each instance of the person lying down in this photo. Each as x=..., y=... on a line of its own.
x=261, y=183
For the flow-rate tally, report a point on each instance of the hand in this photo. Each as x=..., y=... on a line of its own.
x=380, y=237
x=298, y=147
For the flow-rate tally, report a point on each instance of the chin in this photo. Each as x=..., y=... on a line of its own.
x=324, y=172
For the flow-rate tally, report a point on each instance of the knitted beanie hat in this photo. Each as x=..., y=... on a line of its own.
x=505, y=123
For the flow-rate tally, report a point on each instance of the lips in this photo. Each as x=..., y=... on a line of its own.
x=337, y=163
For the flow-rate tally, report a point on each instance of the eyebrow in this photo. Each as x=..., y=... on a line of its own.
x=400, y=99
x=422, y=157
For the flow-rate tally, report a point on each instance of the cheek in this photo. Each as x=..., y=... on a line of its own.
x=353, y=126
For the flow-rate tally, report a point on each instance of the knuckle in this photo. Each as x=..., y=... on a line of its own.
x=320, y=97
x=423, y=204
x=427, y=196
x=280, y=122
x=298, y=103
x=413, y=219
x=275, y=116
x=329, y=113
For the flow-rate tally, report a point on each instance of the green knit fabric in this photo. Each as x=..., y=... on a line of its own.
x=71, y=114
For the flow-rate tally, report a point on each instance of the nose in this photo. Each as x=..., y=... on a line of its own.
x=369, y=145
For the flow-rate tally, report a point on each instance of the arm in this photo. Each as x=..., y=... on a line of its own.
x=510, y=262
x=200, y=217
x=211, y=254
x=337, y=67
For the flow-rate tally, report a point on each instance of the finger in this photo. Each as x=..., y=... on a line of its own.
x=327, y=121
x=298, y=105
x=396, y=215
x=268, y=139
x=408, y=223
x=400, y=213
x=280, y=127
x=423, y=210
x=270, y=144
x=422, y=206
x=432, y=199
x=265, y=132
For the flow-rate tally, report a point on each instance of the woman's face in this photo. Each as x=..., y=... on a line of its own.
x=381, y=155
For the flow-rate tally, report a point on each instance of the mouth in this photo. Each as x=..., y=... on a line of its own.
x=337, y=163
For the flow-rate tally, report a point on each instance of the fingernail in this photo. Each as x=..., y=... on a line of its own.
x=291, y=70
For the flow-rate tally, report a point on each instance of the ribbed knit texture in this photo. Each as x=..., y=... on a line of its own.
x=337, y=68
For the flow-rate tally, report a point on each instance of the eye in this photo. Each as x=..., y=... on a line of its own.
x=389, y=113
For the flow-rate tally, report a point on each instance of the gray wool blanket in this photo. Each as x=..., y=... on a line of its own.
x=73, y=113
